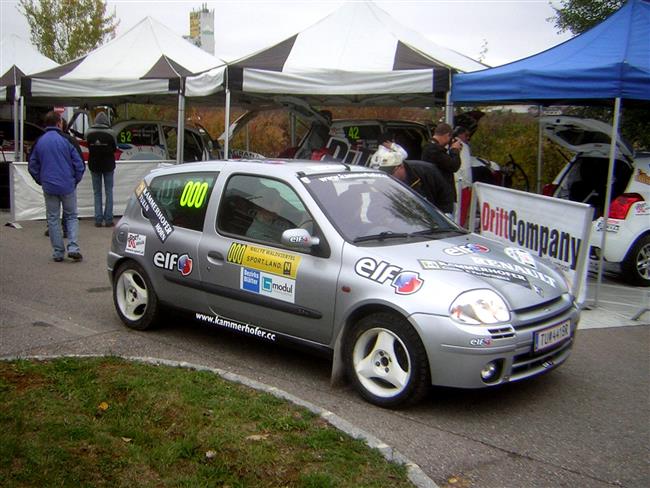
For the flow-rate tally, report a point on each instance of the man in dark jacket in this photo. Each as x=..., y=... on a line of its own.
x=55, y=164
x=101, y=163
x=444, y=153
x=427, y=180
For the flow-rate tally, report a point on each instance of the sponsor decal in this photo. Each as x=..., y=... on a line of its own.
x=153, y=212
x=171, y=261
x=405, y=282
x=263, y=259
x=136, y=244
x=469, y=248
x=540, y=239
x=642, y=208
x=515, y=268
x=299, y=239
x=235, y=325
x=480, y=341
x=521, y=256
x=266, y=284
x=351, y=176
x=613, y=226
x=494, y=273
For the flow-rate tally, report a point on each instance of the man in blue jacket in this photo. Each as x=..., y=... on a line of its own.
x=55, y=165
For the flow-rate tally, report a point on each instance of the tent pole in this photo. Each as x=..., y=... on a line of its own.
x=292, y=128
x=22, y=126
x=180, y=133
x=449, y=109
x=226, y=142
x=540, y=148
x=608, y=194
x=18, y=148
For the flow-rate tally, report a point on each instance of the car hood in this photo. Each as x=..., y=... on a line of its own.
x=587, y=136
x=448, y=267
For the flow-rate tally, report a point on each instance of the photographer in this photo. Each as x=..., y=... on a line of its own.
x=444, y=152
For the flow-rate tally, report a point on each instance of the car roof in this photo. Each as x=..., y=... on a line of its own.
x=171, y=123
x=270, y=167
x=378, y=121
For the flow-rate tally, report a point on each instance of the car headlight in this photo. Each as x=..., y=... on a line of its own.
x=479, y=307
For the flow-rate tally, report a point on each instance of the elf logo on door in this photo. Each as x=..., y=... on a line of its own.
x=171, y=261
x=404, y=282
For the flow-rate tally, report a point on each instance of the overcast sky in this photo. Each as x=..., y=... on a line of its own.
x=511, y=29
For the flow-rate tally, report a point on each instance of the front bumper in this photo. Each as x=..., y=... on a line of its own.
x=458, y=353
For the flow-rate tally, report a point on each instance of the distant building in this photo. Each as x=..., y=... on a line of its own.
x=202, y=28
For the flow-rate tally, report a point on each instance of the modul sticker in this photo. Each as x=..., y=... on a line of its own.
x=268, y=284
x=136, y=244
x=171, y=261
x=405, y=282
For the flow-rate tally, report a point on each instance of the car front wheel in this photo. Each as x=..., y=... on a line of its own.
x=386, y=361
x=636, y=266
x=134, y=297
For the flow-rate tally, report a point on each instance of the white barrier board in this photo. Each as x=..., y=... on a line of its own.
x=26, y=197
x=550, y=228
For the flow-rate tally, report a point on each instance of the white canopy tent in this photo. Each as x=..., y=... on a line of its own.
x=144, y=64
x=17, y=59
x=148, y=64
x=357, y=55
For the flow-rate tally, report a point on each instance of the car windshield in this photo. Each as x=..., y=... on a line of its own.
x=372, y=207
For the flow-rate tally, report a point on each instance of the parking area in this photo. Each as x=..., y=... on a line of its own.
x=585, y=424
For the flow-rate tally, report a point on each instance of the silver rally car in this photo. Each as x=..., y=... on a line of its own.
x=345, y=260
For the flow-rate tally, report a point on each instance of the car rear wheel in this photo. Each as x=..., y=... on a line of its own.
x=386, y=361
x=636, y=266
x=134, y=297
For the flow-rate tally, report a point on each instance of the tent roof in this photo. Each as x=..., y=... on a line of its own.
x=357, y=53
x=18, y=58
x=143, y=64
x=608, y=61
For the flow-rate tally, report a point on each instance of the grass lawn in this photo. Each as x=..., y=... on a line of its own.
x=106, y=422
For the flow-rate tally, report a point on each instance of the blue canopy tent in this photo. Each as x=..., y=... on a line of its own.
x=611, y=61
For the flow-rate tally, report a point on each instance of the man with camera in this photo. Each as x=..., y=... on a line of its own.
x=444, y=152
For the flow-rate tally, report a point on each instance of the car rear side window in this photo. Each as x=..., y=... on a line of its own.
x=184, y=197
x=139, y=135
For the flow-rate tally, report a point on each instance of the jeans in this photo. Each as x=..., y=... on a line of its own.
x=105, y=215
x=53, y=204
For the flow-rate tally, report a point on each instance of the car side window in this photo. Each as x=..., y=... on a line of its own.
x=184, y=197
x=139, y=135
x=260, y=209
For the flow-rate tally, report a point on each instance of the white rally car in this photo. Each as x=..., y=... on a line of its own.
x=584, y=179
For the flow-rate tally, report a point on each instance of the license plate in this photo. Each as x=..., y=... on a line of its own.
x=551, y=336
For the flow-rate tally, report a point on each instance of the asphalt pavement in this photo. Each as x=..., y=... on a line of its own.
x=585, y=424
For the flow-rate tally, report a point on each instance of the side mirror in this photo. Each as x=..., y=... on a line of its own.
x=299, y=238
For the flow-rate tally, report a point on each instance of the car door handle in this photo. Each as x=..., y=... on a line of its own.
x=215, y=257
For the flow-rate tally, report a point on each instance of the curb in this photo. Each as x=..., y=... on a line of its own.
x=414, y=472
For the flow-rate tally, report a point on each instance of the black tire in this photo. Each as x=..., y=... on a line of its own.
x=636, y=265
x=134, y=298
x=396, y=366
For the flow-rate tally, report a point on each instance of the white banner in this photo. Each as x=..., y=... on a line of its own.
x=551, y=228
x=26, y=197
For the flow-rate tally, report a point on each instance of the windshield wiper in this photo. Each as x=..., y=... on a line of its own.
x=436, y=231
x=381, y=236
